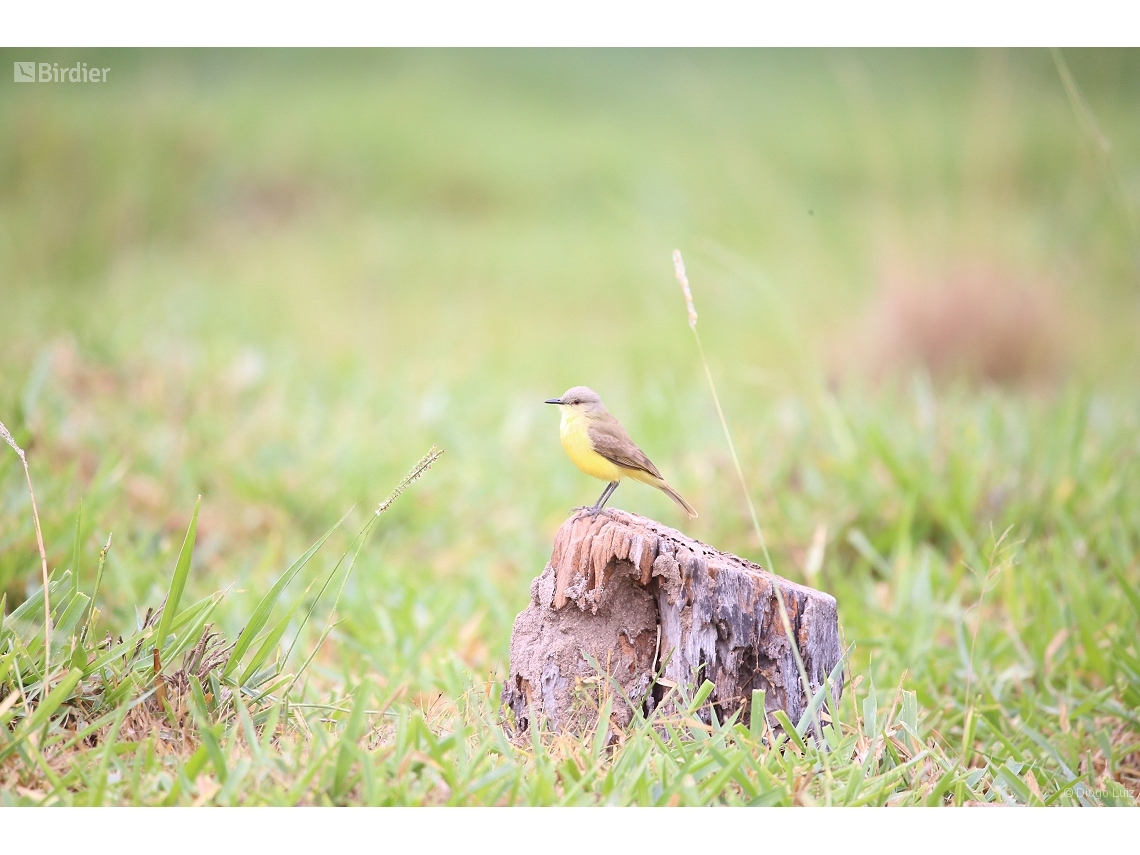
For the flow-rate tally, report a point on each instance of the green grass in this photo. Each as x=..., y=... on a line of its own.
x=274, y=279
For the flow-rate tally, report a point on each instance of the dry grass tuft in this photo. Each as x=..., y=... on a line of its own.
x=977, y=323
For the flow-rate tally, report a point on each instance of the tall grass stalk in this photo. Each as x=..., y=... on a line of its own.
x=682, y=277
x=43, y=554
x=1102, y=146
x=417, y=471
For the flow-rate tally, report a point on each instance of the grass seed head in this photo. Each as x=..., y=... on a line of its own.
x=425, y=463
x=679, y=266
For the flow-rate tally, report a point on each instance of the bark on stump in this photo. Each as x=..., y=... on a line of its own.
x=641, y=599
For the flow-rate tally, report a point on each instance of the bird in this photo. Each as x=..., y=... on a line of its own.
x=598, y=445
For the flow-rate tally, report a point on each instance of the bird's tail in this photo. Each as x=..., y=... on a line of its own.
x=676, y=497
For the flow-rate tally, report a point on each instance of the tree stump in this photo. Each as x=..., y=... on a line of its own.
x=643, y=601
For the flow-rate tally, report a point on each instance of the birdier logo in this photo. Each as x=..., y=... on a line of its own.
x=50, y=72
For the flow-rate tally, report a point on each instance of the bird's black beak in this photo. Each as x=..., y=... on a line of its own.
x=553, y=401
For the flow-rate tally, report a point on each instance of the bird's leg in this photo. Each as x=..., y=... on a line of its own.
x=596, y=508
x=605, y=497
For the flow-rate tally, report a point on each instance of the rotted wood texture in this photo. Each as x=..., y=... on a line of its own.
x=625, y=598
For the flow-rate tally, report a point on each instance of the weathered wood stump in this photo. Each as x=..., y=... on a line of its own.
x=643, y=600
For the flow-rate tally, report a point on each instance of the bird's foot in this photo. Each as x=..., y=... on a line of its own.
x=588, y=509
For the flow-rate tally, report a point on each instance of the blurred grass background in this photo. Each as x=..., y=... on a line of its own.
x=274, y=278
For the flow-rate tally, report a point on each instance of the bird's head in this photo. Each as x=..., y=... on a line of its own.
x=580, y=399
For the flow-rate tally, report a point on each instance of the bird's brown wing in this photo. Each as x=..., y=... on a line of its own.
x=609, y=439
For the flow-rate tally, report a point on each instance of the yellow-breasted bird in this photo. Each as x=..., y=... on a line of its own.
x=599, y=446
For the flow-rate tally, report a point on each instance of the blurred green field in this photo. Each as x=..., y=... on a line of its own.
x=274, y=279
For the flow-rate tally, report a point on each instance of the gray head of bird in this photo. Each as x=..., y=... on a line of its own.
x=581, y=399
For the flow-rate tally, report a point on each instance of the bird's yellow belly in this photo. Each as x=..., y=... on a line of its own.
x=576, y=440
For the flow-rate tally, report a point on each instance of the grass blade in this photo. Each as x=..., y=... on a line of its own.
x=75, y=551
x=43, y=712
x=789, y=729
x=36, y=600
x=96, y=799
x=264, y=608
x=702, y=695
x=95, y=590
x=178, y=581
x=194, y=629
x=1130, y=592
x=69, y=619
x=348, y=749
x=758, y=713
x=272, y=638
x=206, y=729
